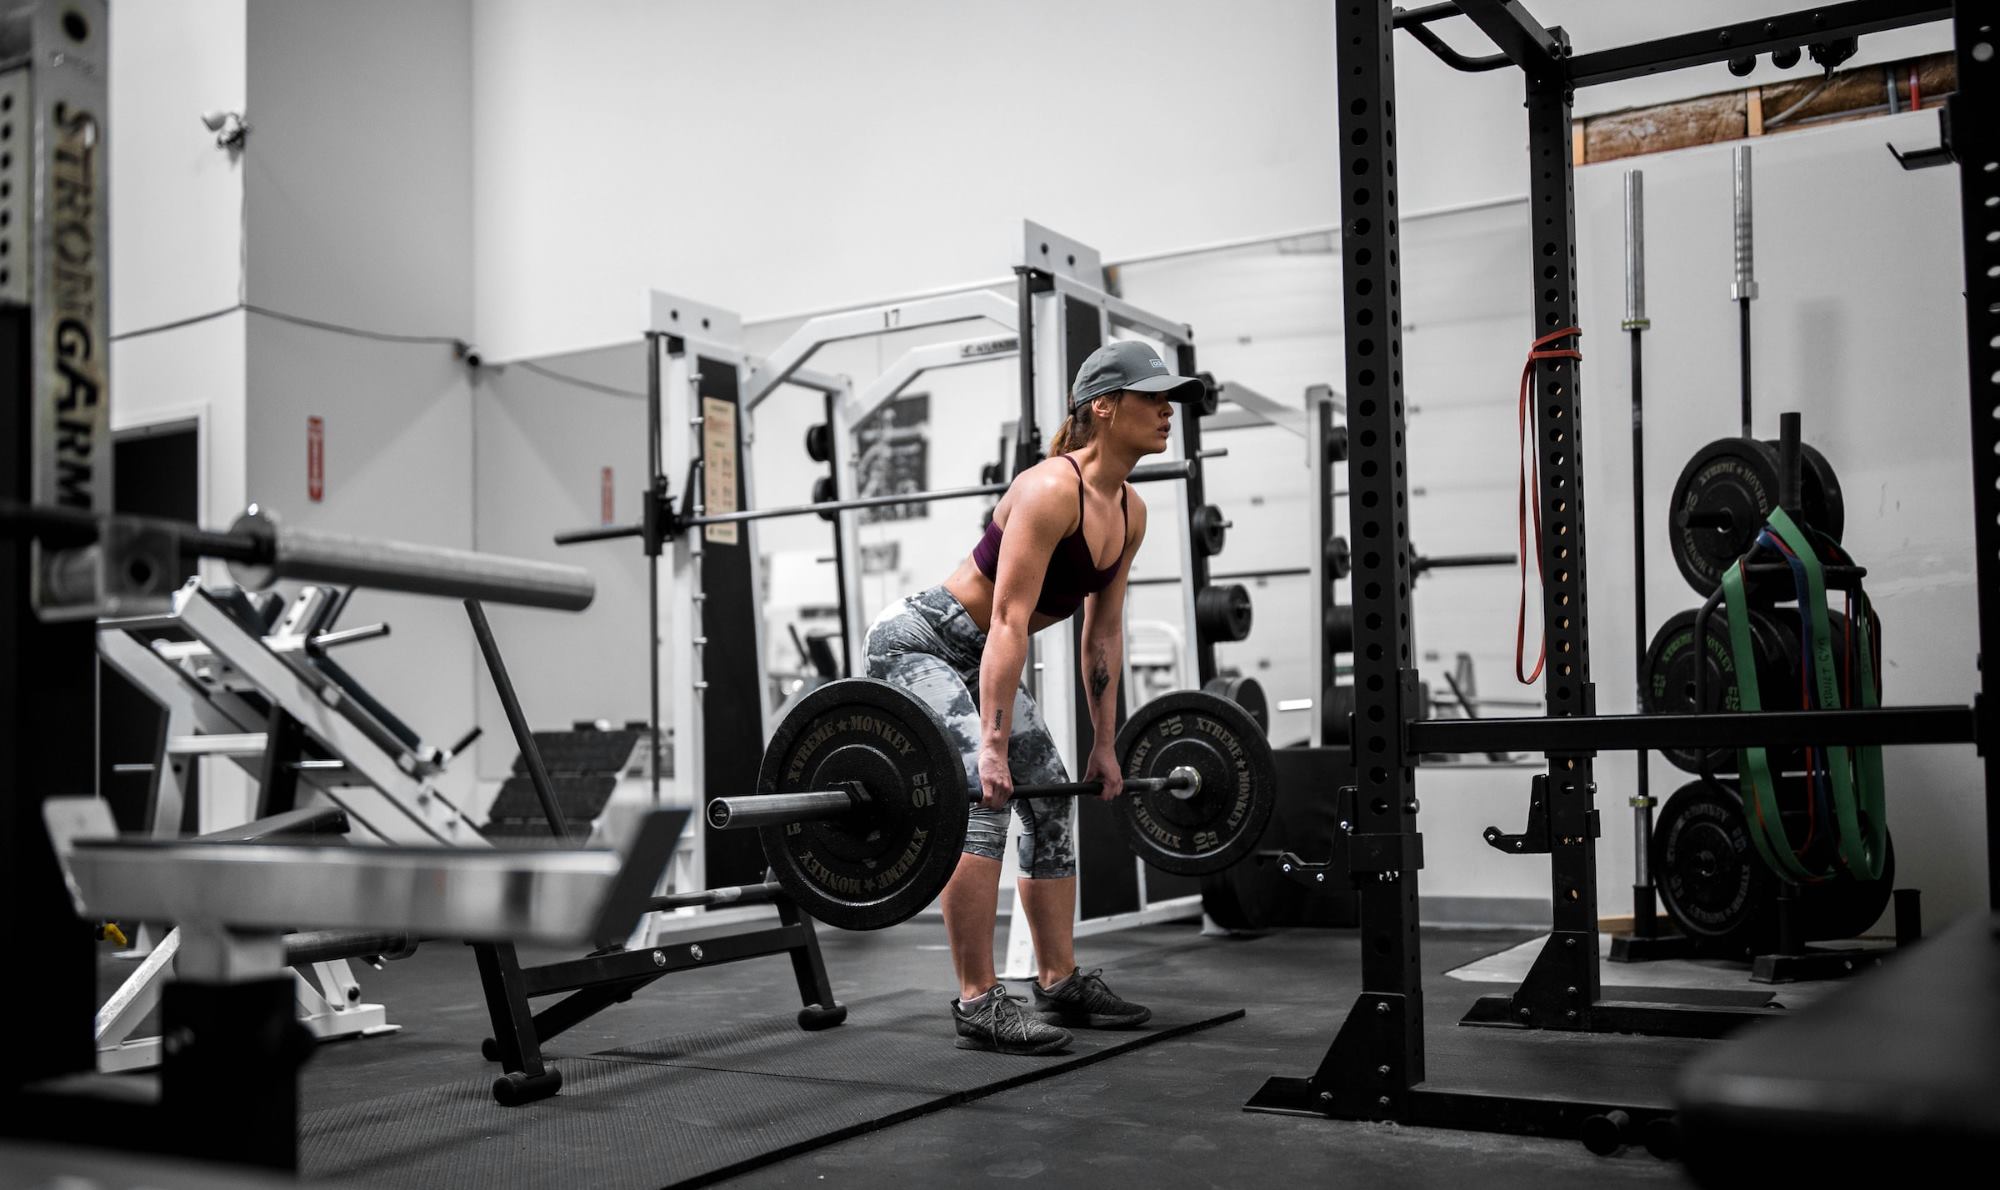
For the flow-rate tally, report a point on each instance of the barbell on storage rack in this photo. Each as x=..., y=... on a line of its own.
x=674, y=522
x=862, y=799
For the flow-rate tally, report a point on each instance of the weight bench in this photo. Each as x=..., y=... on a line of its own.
x=239, y=903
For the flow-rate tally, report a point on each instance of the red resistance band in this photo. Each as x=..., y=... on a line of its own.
x=1530, y=498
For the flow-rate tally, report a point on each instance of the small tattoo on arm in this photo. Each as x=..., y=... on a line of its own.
x=1100, y=676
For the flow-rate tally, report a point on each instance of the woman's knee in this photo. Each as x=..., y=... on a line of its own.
x=1046, y=848
x=986, y=833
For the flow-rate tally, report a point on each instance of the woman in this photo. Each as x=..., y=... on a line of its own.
x=1062, y=539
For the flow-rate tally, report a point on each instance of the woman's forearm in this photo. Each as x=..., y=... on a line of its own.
x=1102, y=660
x=999, y=680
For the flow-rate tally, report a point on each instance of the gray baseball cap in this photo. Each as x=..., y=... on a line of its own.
x=1129, y=364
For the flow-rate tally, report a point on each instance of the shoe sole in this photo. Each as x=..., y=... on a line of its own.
x=1095, y=1020
x=1024, y=1051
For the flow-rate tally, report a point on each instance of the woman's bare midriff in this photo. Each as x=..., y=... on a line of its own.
x=974, y=592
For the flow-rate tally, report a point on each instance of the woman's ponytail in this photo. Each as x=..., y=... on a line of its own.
x=1068, y=435
x=1079, y=427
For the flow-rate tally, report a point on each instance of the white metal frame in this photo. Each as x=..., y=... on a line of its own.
x=919, y=360
x=1073, y=268
x=712, y=334
x=787, y=365
x=766, y=375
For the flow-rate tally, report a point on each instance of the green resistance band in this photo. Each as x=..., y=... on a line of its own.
x=1863, y=856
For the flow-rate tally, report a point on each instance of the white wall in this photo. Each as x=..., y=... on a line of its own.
x=398, y=435
x=177, y=229
x=541, y=447
x=176, y=197
x=358, y=197
x=360, y=163
x=773, y=157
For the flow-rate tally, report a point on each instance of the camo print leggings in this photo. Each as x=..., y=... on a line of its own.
x=929, y=645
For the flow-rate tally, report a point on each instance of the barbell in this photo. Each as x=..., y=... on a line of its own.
x=862, y=799
x=673, y=521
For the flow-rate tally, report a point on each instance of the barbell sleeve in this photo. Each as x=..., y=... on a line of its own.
x=776, y=809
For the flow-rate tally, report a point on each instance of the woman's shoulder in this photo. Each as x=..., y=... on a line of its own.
x=1052, y=476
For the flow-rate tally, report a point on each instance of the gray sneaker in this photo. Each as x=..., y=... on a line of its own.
x=1083, y=1002
x=1001, y=1023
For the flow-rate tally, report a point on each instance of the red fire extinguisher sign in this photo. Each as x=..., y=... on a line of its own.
x=315, y=459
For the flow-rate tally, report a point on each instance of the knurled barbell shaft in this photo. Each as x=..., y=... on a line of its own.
x=778, y=809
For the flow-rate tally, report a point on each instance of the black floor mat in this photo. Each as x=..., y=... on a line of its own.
x=1692, y=997
x=695, y=1107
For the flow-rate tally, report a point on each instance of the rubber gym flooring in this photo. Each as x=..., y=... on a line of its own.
x=1163, y=1115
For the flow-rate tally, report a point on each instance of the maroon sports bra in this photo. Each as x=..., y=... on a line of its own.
x=1072, y=572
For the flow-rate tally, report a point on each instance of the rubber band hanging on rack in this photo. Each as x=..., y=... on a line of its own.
x=1530, y=498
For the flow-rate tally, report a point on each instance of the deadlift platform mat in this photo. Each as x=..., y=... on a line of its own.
x=695, y=1108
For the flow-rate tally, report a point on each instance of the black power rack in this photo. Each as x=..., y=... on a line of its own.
x=1374, y=1069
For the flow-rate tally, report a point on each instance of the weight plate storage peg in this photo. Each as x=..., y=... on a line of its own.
x=1245, y=692
x=1223, y=613
x=1339, y=628
x=1339, y=558
x=884, y=862
x=1190, y=833
x=1337, y=709
x=1336, y=444
x=1209, y=529
x=819, y=442
x=1211, y=394
x=1819, y=492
